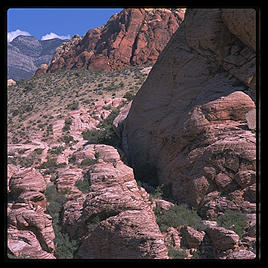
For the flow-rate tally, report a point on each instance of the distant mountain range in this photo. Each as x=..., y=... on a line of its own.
x=27, y=53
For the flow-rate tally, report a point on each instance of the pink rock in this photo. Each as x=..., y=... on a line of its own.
x=192, y=237
x=222, y=238
x=28, y=179
x=30, y=233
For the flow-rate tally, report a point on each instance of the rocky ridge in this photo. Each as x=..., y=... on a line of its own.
x=133, y=37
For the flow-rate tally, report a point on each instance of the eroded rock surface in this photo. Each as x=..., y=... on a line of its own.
x=188, y=121
x=115, y=219
x=30, y=232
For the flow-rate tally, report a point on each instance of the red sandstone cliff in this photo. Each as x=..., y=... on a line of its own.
x=131, y=37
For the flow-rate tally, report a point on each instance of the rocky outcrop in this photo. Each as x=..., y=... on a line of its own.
x=41, y=70
x=28, y=185
x=11, y=82
x=191, y=237
x=115, y=219
x=30, y=232
x=222, y=239
x=131, y=37
x=188, y=121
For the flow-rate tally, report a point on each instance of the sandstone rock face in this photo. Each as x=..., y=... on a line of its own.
x=30, y=232
x=115, y=219
x=28, y=179
x=192, y=237
x=131, y=37
x=188, y=121
x=242, y=255
x=222, y=238
x=28, y=184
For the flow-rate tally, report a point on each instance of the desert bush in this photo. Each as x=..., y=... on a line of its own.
x=88, y=162
x=106, y=133
x=73, y=106
x=129, y=96
x=25, y=161
x=233, y=220
x=38, y=150
x=56, y=150
x=67, y=124
x=93, y=223
x=174, y=253
x=65, y=247
x=55, y=201
x=83, y=185
x=66, y=139
x=178, y=215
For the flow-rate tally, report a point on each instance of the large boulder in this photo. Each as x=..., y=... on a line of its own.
x=187, y=124
x=30, y=232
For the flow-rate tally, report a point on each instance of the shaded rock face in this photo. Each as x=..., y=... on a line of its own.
x=115, y=219
x=131, y=37
x=188, y=120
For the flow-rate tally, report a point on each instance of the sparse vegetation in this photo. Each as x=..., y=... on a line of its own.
x=34, y=100
x=233, y=220
x=105, y=134
x=88, y=162
x=65, y=247
x=176, y=216
x=83, y=185
x=174, y=253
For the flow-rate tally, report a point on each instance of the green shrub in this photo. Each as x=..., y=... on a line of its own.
x=25, y=161
x=72, y=159
x=67, y=124
x=233, y=220
x=88, y=162
x=65, y=247
x=50, y=163
x=73, y=106
x=178, y=215
x=38, y=150
x=106, y=133
x=55, y=200
x=56, y=150
x=83, y=185
x=93, y=223
x=129, y=96
x=176, y=254
x=66, y=139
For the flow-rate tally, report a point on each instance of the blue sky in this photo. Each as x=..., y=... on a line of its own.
x=46, y=23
